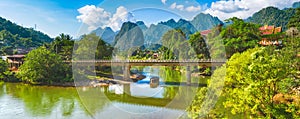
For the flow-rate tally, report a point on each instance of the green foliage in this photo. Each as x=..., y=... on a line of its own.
x=239, y=36
x=92, y=47
x=254, y=77
x=175, y=46
x=63, y=45
x=198, y=44
x=216, y=44
x=13, y=36
x=43, y=66
x=295, y=20
x=273, y=16
x=3, y=68
x=206, y=103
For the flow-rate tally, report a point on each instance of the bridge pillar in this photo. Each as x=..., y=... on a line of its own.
x=126, y=72
x=188, y=75
x=126, y=89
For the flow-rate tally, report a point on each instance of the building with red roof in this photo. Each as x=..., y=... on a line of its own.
x=205, y=32
x=269, y=35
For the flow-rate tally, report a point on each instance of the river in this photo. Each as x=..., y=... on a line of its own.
x=134, y=100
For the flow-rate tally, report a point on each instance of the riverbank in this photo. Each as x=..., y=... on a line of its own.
x=91, y=81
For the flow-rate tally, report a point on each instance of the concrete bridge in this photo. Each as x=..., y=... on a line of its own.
x=208, y=63
x=126, y=64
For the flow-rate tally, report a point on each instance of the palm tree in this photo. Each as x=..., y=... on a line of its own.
x=63, y=45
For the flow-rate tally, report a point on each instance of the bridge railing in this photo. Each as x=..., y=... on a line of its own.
x=148, y=61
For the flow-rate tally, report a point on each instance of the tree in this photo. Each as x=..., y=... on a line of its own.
x=3, y=68
x=175, y=46
x=239, y=36
x=63, y=45
x=295, y=20
x=92, y=47
x=198, y=44
x=252, y=83
x=43, y=66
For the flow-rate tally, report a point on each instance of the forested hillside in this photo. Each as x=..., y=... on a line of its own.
x=13, y=36
x=273, y=16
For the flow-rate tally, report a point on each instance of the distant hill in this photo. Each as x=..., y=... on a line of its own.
x=128, y=37
x=154, y=34
x=201, y=22
x=107, y=34
x=273, y=16
x=142, y=25
x=205, y=21
x=13, y=36
x=296, y=5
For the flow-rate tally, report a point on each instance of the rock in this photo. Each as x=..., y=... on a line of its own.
x=137, y=77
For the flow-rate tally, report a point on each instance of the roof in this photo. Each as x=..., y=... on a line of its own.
x=15, y=56
x=205, y=32
x=266, y=27
x=268, y=30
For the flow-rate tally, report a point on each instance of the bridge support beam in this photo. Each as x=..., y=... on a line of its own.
x=126, y=72
x=126, y=89
x=188, y=75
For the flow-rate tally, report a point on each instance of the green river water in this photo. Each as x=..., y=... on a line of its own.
x=135, y=100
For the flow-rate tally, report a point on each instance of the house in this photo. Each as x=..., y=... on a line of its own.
x=270, y=35
x=155, y=55
x=15, y=61
x=205, y=32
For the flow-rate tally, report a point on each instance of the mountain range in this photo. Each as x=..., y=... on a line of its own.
x=154, y=33
x=107, y=34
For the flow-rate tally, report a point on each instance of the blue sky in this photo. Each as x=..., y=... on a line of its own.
x=76, y=17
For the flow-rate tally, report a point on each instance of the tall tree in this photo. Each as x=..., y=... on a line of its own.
x=43, y=66
x=63, y=45
x=92, y=46
x=239, y=36
x=199, y=45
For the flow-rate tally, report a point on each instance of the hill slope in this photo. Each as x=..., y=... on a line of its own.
x=128, y=37
x=13, y=36
x=273, y=16
x=107, y=34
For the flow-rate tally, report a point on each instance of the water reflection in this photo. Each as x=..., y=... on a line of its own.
x=134, y=100
x=138, y=99
x=27, y=101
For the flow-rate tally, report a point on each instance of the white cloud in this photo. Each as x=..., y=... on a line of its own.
x=193, y=8
x=96, y=17
x=164, y=1
x=121, y=16
x=244, y=8
x=93, y=16
x=227, y=6
x=183, y=8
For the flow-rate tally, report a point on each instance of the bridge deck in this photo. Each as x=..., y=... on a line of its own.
x=149, y=62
